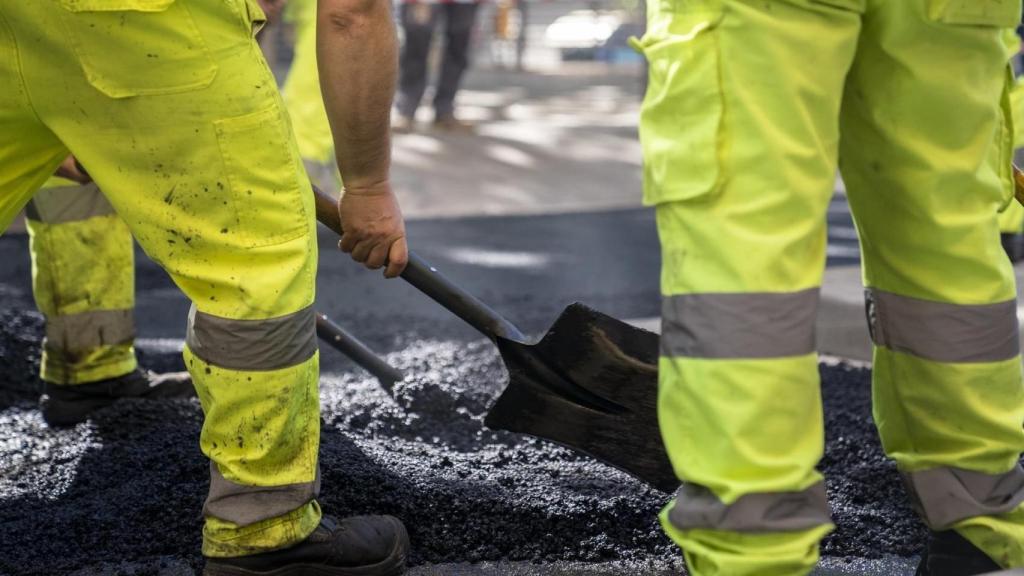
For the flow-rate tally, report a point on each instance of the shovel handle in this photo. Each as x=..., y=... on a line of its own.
x=431, y=282
x=344, y=342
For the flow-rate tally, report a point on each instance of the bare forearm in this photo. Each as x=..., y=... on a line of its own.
x=357, y=56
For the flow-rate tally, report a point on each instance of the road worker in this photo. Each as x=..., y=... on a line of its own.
x=301, y=93
x=171, y=106
x=85, y=288
x=750, y=108
x=83, y=282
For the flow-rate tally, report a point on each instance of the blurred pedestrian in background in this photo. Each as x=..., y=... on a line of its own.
x=419, y=20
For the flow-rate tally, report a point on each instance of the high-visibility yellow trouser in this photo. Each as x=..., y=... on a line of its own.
x=301, y=92
x=173, y=109
x=750, y=103
x=84, y=283
x=1011, y=220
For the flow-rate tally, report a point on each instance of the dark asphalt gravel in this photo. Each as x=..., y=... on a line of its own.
x=129, y=484
x=122, y=493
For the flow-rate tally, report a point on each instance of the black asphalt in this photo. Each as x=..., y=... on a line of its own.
x=128, y=486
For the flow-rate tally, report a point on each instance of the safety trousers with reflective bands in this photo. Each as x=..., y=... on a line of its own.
x=83, y=281
x=750, y=107
x=172, y=108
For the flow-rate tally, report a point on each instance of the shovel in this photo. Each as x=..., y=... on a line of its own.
x=590, y=383
x=343, y=341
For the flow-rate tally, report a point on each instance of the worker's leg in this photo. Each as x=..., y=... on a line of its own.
x=458, y=30
x=301, y=92
x=83, y=281
x=418, y=22
x=179, y=121
x=1011, y=219
x=26, y=161
x=926, y=160
x=739, y=129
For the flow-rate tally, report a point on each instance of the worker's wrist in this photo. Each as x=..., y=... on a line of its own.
x=372, y=188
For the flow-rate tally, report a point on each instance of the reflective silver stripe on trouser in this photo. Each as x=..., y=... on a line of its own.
x=68, y=204
x=697, y=507
x=943, y=332
x=743, y=325
x=245, y=505
x=253, y=345
x=739, y=325
x=74, y=334
x=945, y=496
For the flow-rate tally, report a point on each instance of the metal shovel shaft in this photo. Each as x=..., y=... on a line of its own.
x=344, y=342
x=428, y=280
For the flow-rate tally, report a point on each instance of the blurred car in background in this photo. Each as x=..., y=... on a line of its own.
x=593, y=35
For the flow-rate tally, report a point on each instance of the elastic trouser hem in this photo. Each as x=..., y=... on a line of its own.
x=728, y=553
x=223, y=539
x=1000, y=537
x=55, y=371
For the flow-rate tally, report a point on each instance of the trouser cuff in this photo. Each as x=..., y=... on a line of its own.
x=102, y=363
x=223, y=539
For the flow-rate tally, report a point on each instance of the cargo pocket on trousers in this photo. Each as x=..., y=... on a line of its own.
x=262, y=173
x=1000, y=13
x=681, y=116
x=250, y=14
x=138, y=47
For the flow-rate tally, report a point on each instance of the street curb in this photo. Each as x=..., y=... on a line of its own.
x=841, y=327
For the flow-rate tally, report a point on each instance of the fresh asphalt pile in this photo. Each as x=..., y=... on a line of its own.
x=128, y=485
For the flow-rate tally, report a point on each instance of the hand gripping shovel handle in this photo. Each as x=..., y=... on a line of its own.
x=428, y=280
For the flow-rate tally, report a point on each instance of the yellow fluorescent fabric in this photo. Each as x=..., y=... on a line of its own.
x=260, y=431
x=747, y=425
x=199, y=162
x=718, y=553
x=749, y=107
x=82, y=262
x=223, y=538
x=1001, y=537
x=301, y=90
x=78, y=267
x=1017, y=109
x=1011, y=220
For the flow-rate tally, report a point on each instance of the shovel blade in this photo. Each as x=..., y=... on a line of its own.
x=591, y=383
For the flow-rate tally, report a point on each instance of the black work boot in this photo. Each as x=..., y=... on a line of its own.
x=357, y=546
x=67, y=405
x=950, y=554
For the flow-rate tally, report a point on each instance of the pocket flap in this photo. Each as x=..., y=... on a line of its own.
x=116, y=5
x=1001, y=13
x=681, y=116
x=669, y=27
